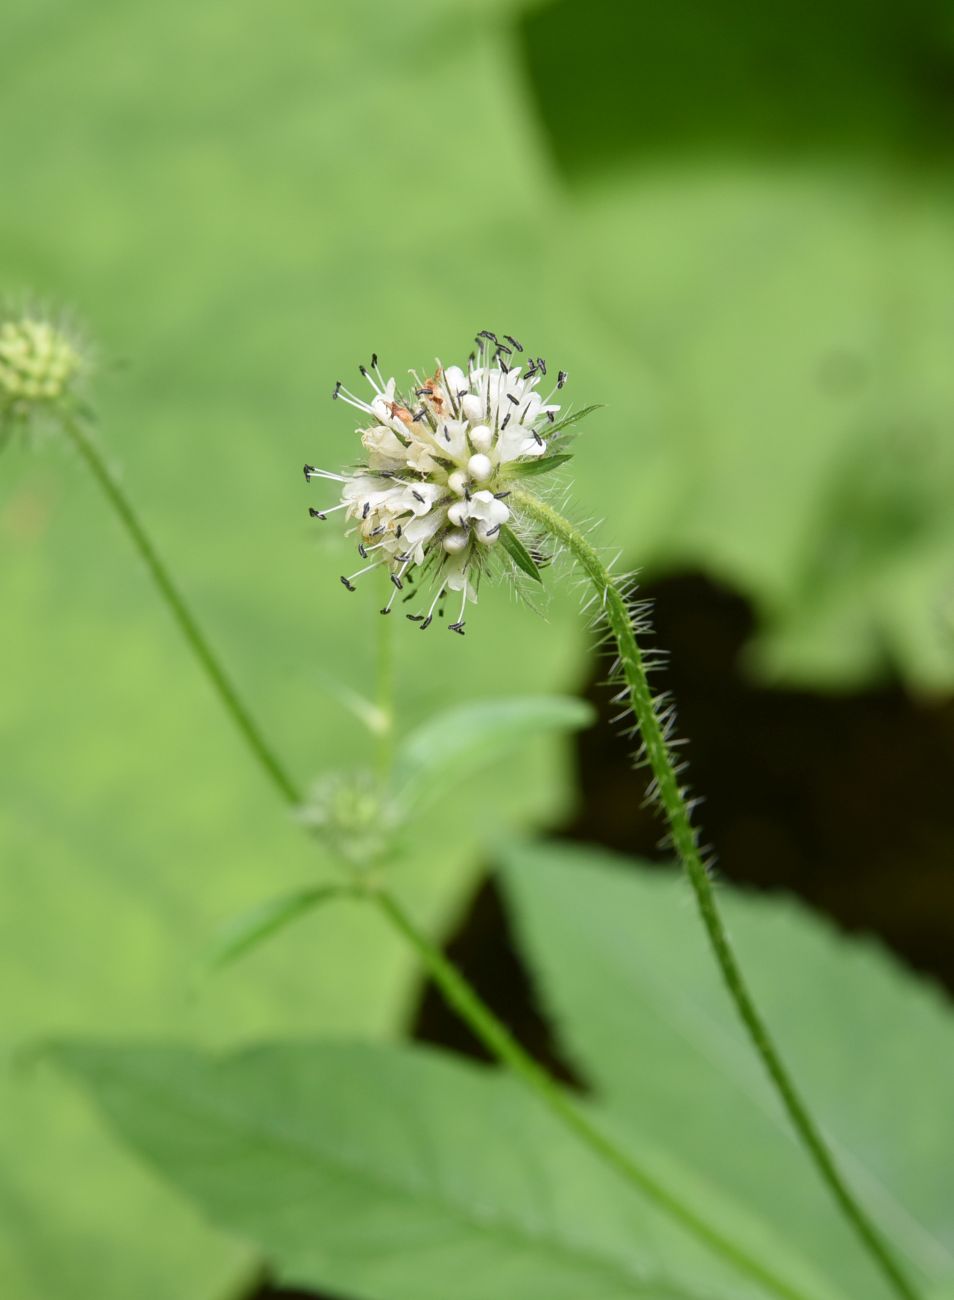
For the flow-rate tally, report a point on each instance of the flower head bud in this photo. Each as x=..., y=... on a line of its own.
x=347, y=812
x=431, y=496
x=40, y=365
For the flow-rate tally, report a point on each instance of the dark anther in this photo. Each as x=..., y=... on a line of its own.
x=488, y=334
x=398, y=531
x=414, y=618
x=362, y=552
x=536, y=437
x=447, y=436
x=503, y=365
x=347, y=585
x=511, y=398
x=561, y=379
x=510, y=339
x=386, y=610
x=462, y=393
x=364, y=371
x=505, y=421
x=397, y=582
x=337, y=390
x=426, y=624
x=316, y=514
x=417, y=496
x=420, y=414
x=456, y=627
x=542, y=364
x=309, y=470
x=492, y=532
x=374, y=360
x=365, y=509
x=550, y=416
x=501, y=496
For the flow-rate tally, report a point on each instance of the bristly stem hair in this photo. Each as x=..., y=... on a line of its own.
x=672, y=799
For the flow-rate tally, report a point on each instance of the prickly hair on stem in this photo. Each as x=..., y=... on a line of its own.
x=610, y=599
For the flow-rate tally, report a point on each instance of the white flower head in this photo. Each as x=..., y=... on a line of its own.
x=431, y=496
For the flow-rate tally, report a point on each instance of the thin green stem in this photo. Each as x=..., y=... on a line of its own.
x=196, y=640
x=676, y=810
x=495, y=1036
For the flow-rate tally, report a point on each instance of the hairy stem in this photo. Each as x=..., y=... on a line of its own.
x=495, y=1036
x=676, y=810
x=187, y=625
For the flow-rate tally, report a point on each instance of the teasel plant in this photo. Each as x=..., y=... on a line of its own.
x=454, y=488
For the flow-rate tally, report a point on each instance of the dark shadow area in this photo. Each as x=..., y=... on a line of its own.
x=617, y=82
x=845, y=800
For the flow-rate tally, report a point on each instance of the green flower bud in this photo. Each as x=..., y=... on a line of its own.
x=40, y=366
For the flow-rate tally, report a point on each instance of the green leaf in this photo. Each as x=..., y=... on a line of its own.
x=252, y=928
x=542, y=465
x=620, y=958
x=389, y=1173
x=519, y=553
x=447, y=748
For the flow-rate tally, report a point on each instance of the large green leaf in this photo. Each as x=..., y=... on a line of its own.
x=400, y=1174
x=452, y=744
x=621, y=964
x=774, y=417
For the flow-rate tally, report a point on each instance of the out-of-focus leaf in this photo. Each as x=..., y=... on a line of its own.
x=389, y=1173
x=247, y=931
x=621, y=963
x=453, y=744
x=773, y=420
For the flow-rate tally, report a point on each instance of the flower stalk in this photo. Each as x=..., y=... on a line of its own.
x=182, y=616
x=676, y=810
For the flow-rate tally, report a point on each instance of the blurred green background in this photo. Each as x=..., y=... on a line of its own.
x=733, y=225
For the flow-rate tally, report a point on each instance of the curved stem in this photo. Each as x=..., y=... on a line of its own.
x=226, y=692
x=495, y=1036
x=676, y=810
